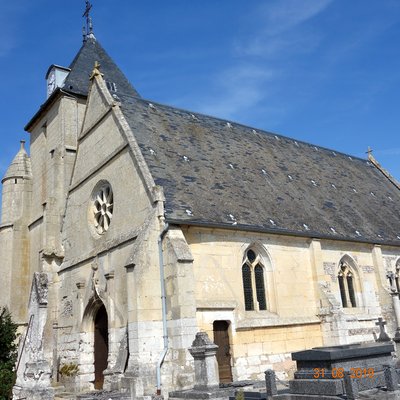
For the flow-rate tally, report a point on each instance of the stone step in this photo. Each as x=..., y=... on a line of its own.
x=103, y=395
x=64, y=396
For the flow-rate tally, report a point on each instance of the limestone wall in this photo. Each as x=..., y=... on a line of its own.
x=117, y=267
x=6, y=252
x=304, y=306
x=16, y=199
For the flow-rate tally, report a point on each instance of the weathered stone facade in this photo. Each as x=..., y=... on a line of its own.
x=60, y=267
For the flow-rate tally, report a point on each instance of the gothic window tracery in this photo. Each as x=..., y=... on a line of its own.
x=347, y=285
x=103, y=207
x=253, y=282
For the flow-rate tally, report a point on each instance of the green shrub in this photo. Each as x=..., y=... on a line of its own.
x=69, y=369
x=8, y=354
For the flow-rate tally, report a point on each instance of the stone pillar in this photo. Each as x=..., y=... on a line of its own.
x=270, y=383
x=381, y=278
x=316, y=264
x=395, y=301
x=396, y=307
x=55, y=353
x=350, y=386
x=391, y=379
x=132, y=382
x=34, y=371
x=205, y=362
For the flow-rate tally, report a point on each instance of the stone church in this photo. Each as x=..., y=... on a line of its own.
x=128, y=226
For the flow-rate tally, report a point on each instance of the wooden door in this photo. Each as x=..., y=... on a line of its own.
x=221, y=339
x=100, y=346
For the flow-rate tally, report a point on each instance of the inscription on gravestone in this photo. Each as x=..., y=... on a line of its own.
x=361, y=331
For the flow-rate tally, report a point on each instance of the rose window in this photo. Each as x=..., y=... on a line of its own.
x=103, y=208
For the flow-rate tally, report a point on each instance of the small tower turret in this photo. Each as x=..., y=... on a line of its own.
x=14, y=241
x=17, y=188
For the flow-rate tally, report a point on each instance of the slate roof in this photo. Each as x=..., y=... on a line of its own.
x=77, y=81
x=223, y=174
x=81, y=67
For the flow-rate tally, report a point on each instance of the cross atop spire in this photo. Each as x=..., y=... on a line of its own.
x=88, y=29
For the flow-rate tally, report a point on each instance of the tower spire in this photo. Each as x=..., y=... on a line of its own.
x=88, y=29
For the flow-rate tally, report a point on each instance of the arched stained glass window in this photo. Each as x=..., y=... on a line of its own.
x=247, y=288
x=346, y=286
x=253, y=282
x=260, y=287
x=342, y=288
x=350, y=287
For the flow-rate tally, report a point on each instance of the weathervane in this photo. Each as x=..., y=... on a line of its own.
x=88, y=29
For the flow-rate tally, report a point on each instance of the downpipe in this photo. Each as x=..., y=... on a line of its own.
x=162, y=355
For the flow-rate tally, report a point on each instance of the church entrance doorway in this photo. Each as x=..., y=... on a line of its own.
x=100, y=346
x=221, y=339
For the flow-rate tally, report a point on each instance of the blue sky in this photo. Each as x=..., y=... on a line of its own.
x=322, y=71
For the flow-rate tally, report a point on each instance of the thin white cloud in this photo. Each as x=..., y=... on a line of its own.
x=261, y=46
x=278, y=28
x=240, y=88
x=248, y=83
x=285, y=15
x=10, y=19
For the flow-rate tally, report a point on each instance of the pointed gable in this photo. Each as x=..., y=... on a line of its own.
x=91, y=51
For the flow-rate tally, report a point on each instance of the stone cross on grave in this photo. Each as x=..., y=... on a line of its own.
x=383, y=336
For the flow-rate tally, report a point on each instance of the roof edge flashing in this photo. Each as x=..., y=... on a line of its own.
x=384, y=172
x=281, y=232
